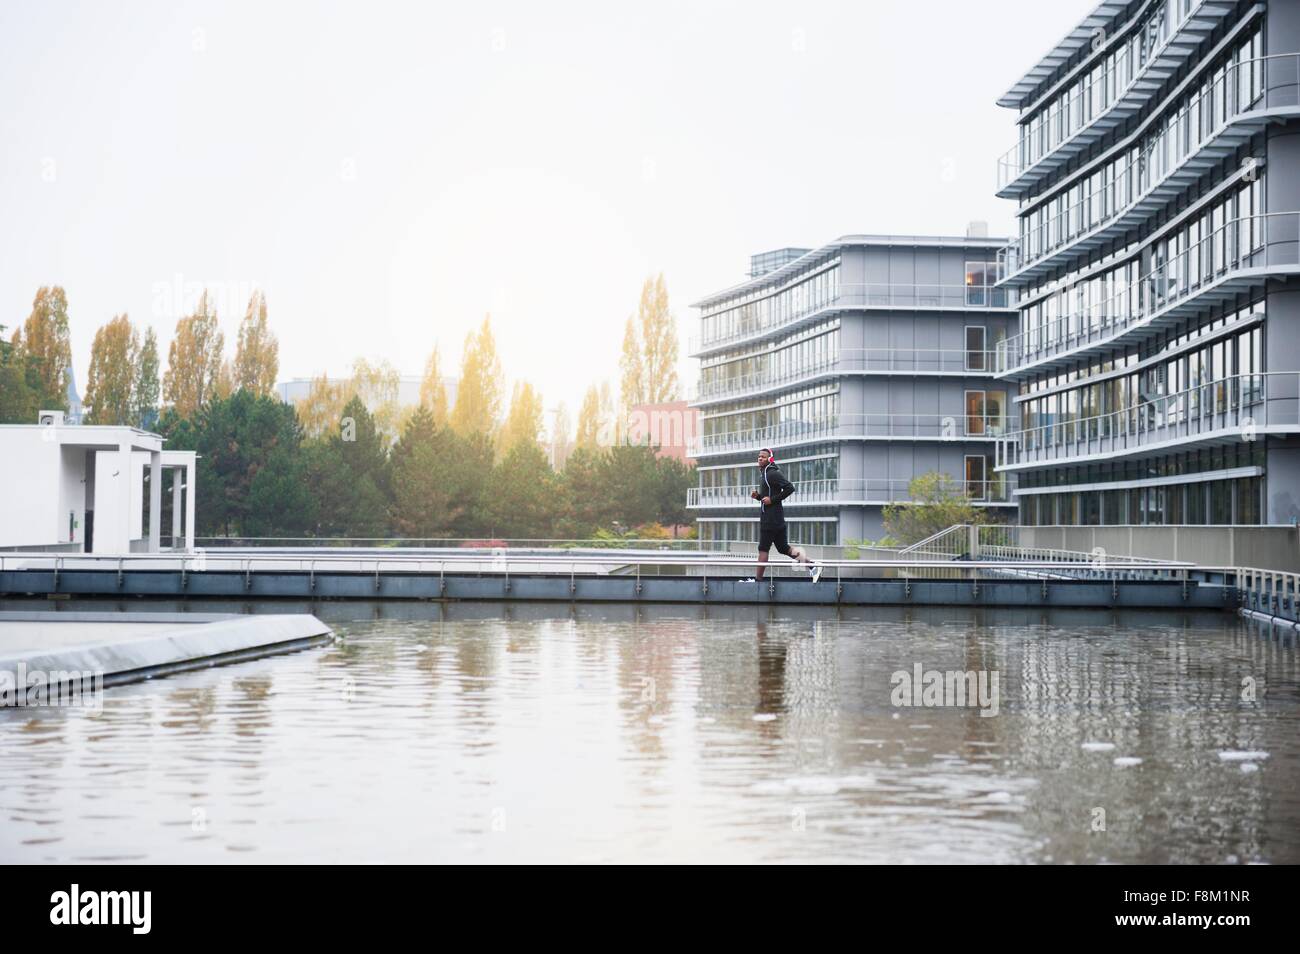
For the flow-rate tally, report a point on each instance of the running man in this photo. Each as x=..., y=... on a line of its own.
x=771, y=522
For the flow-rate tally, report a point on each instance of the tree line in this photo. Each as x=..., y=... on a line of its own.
x=122, y=381
x=349, y=460
x=259, y=475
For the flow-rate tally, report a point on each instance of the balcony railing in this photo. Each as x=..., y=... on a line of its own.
x=855, y=490
x=1241, y=407
x=906, y=361
x=1092, y=108
x=853, y=296
x=932, y=427
x=1130, y=188
x=1250, y=243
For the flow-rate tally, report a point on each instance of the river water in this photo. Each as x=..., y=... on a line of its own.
x=487, y=733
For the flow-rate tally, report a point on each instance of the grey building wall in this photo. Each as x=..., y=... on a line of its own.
x=873, y=270
x=1279, y=144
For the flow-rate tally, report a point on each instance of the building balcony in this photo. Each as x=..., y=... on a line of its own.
x=858, y=491
x=1238, y=408
x=903, y=362
x=858, y=297
x=1141, y=187
x=1241, y=255
x=1072, y=126
x=852, y=427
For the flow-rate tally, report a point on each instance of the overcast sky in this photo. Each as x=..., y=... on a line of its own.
x=390, y=172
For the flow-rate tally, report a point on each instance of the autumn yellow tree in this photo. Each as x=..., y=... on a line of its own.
x=658, y=342
x=224, y=385
x=433, y=392
x=561, y=441
x=596, y=421
x=145, y=390
x=377, y=384
x=478, y=394
x=631, y=368
x=588, y=433
x=43, y=345
x=649, y=361
x=194, y=360
x=524, y=422
x=320, y=411
x=111, y=378
x=257, y=353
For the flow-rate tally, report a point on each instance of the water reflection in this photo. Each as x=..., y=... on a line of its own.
x=558, y=733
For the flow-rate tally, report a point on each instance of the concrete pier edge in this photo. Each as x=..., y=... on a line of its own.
x=200, y=642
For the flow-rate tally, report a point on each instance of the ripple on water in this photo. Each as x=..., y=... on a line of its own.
x=679, y=740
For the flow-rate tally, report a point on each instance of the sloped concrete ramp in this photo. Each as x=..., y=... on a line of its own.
x=128, y=647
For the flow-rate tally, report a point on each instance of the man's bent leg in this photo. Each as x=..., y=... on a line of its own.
x=765, y=541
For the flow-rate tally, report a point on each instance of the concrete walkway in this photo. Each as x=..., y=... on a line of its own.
x=127, y=647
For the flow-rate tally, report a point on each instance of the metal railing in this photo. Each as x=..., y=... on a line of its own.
x=1081, y=109
x=949, y=544
x=843, y=490
x=918, y=361
x=999, y=542
x=485, y=541
x=1262, y=241
x=1241, y=405
x=1269, y=592
x=1002, y=542
x=248, y=568
x=939, y=427
x=849, y=296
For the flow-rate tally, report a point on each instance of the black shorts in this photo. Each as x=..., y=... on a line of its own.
x=767, y=536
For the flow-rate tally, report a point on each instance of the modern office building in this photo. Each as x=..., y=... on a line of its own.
x=1156, y=367
x=862, y=364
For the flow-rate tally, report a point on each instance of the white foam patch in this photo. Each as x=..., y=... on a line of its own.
x=1098, y=746
x=1234, y=756
x=763, y=717
x=1248, y=767
x=1125, y=761
x=814, y=785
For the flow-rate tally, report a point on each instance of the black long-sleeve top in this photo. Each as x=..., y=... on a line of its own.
x=776, y=487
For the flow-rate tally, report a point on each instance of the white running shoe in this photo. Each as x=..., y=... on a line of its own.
x=750, y=580
x=815, y=569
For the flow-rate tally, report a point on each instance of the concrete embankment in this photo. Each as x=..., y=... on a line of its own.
x=127, y=647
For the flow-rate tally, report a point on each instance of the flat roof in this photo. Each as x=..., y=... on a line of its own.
x=1060, y=54
x=94, y=435
x=778, y=275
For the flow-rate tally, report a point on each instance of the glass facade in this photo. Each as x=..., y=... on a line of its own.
x=745, y=476
x=1097, y=88
x=811, y=531
x=1224, y=234
x=1141, y=353
x=757, y=310
x=810, y=350
x=788, y=414
x=1063, y=213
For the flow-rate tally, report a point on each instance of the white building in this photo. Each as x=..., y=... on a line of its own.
x=81, y=489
